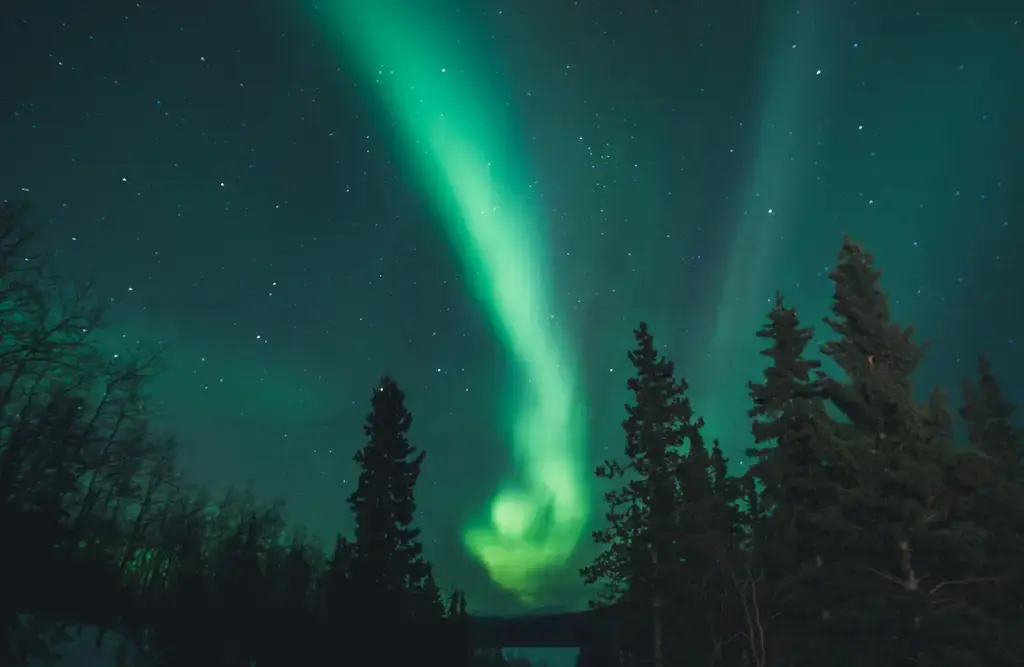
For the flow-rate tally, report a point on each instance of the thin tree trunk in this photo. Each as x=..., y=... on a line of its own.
x=658, y=630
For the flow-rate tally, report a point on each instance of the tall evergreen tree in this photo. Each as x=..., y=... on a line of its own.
x=457, y=623
x=723, y=487
x=788, y=415
x=994, y=469
x=795, y=545
x=706, y=549
x=641, y=540
x=989, y=416
x=877, y=355
x=713, y=560
x=387, y=556
x=911, y=552
x=388, y=572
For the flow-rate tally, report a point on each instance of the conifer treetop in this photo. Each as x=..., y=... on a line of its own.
x=868, y=338
x=789, y=372
x=387, y=554
x=989, y=418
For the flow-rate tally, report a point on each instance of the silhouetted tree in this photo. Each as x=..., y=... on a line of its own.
x=793, y=546
x=391, y=579
x=334, y=601
x=993, y=467
x=706, y=546
x=988, y=417
x=462, y=650
x=711, y=539
x=861, y=534
x=641, y=542
x=70, y=420
x=913, y=555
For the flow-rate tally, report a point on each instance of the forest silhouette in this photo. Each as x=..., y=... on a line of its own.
x=866, y=532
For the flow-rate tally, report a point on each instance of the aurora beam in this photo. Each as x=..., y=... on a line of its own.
x=456, y=143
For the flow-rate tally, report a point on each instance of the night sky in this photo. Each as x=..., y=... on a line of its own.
x=483, y=198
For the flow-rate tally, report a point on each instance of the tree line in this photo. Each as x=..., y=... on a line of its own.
x=99, y=527
x=865, y=533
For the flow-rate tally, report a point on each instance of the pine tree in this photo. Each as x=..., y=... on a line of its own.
x=640, y=543
x=723, y=487
x=459, y=631
x=709, y=536
x=388, y=571
x=456, y=608
x=993, y=470
x=988, y=417
x=877, y=355
x=912, y=553
x=789, y=425
x=752, y=515
x=429, y=603
x=795, y=545
x=715, y=570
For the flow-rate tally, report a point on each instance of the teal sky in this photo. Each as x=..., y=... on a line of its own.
x=262, y=192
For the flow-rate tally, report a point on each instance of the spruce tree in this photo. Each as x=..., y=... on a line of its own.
x=789, y=427
x=387, y=569
x=910, y=550
x=877, y=355
x=640, y=542
x=458, y=627
x=707, y=548
x=752, y=515
x=718, y=563
x=992, y=470
x=794, y=545
x=989, y=416
x=723, y=487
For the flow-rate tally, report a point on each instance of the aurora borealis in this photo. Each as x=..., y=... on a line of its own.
x=467, y=167
x=482, y=198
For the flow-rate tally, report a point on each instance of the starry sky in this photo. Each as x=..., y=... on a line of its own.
x=265, y=189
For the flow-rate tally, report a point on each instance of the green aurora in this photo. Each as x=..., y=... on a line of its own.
x=458, y=150
x=461, y=142
x=289, y=221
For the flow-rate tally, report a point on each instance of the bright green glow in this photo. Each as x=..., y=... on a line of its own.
x=456, y=146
